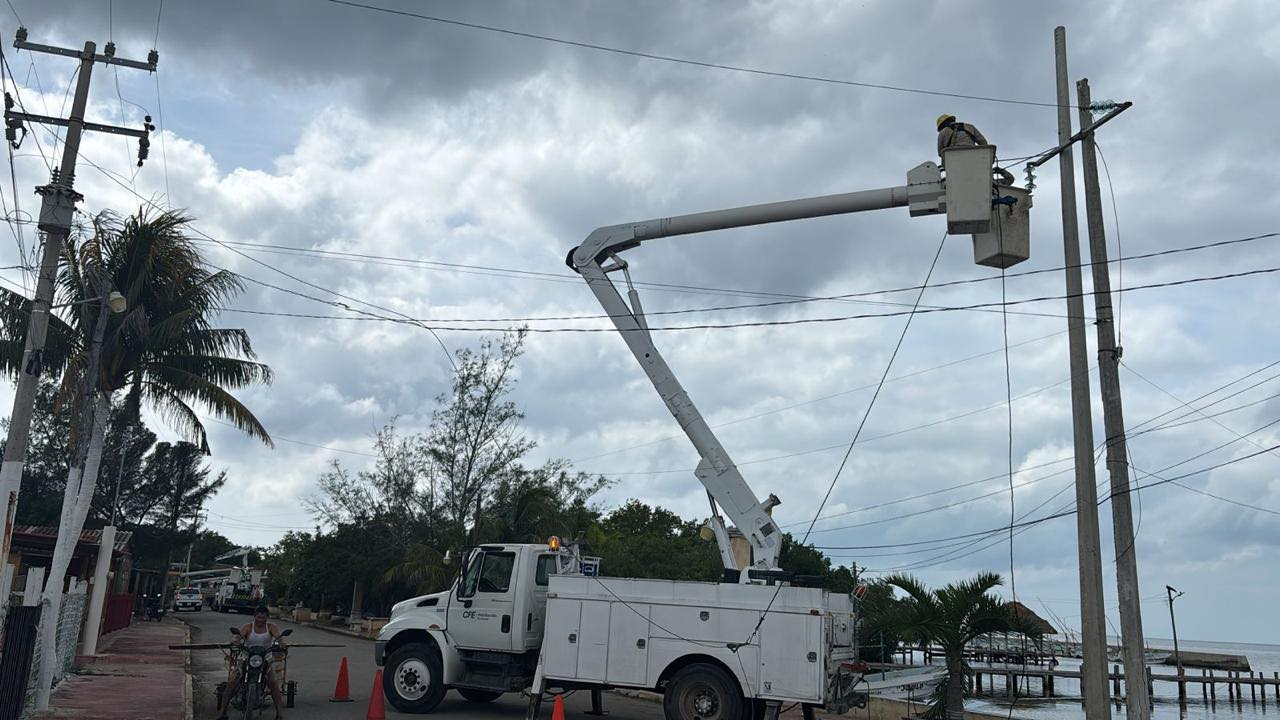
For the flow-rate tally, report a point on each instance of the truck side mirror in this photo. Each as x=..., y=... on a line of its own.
x=287, y=633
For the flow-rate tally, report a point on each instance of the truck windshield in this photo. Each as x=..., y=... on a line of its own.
x=488, y=572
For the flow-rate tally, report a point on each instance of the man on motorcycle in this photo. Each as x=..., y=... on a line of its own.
x=262, y=634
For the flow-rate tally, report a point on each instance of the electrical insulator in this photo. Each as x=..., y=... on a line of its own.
x=153, y=59
x=21, y=35
x=109, y=50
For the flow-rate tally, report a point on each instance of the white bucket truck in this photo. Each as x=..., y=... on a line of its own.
x=531, y=618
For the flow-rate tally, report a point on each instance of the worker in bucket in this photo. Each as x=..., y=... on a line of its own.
x=957, y=134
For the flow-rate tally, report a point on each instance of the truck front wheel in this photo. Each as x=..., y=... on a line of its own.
x=413, y=679
x=702, y=692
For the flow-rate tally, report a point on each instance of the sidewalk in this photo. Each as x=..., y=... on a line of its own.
x=134, y=677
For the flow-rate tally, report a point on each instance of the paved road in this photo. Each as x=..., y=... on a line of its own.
x=316, y=671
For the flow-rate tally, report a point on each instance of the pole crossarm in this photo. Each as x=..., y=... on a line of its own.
x=1080, y=135
x=91, y=126
x=106, y=58
x=14, y=120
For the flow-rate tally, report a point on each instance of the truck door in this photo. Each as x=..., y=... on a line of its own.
x=535, y=615
x=480, y=614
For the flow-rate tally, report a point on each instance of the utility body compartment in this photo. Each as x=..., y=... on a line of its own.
x=628, y=632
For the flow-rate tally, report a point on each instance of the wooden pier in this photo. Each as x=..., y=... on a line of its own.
x=1018, y=680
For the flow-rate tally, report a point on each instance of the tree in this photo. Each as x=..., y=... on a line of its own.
x=177, y=474
x=124, y=452
x=952, y=617
x=162, y=350
x=45, y=472
x=475, y=441
x=637, y=540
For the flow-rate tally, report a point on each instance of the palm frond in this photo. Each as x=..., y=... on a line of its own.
x=190, y=387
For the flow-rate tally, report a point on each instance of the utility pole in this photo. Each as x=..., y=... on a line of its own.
x=1133, y=646
x=1093, y=631
x=58, y=202
x=1177, y=655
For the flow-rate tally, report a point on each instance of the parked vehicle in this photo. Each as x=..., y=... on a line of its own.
x=187, y=598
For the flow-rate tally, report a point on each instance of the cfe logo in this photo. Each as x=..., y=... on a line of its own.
x=469, y=615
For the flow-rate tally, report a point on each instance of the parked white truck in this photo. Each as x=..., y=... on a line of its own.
x=527, y=618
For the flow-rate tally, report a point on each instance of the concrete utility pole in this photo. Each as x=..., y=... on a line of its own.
x=1137, y=701
x=1093, y=629
x=57, y=207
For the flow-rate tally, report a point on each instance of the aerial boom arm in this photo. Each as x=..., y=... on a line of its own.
x=725, y=485
x=968, y=202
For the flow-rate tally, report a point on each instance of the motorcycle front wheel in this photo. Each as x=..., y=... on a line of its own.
x=251, y=700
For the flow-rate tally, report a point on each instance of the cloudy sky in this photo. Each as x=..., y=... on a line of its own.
x=308, y=124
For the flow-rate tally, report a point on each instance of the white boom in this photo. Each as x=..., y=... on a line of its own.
x=968, y=205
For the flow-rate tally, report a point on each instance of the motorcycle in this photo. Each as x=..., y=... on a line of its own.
x=255, y=664
x=154, y=608
x=253, y=693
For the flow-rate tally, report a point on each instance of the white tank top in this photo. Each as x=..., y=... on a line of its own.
x=258, y=639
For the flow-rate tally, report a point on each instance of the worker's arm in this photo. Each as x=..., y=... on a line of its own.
x=978, y=138
x=944, y=139
x=275, y=633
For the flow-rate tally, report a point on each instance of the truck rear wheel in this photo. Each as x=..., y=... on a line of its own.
x=702, y=692
x=479, y=696
x=413, y=679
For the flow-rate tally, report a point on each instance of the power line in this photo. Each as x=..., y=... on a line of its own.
x=687, y=61
x=785, y=298
x=1054, y=516
x=1098, y=449
x=1197, y=411
x=299, y=442
x=861, y=441
x=200, y=232
x=748, y=324
x=820, y=398
x=861, y=424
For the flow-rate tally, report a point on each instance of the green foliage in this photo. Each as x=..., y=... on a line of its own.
x=951, y=617
x=637, y=540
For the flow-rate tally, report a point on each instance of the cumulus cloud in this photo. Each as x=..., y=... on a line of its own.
x=304, y=124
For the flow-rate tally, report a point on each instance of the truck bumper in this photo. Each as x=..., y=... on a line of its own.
x=379, y=652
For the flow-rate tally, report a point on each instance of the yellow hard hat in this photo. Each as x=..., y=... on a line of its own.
x=945, y=118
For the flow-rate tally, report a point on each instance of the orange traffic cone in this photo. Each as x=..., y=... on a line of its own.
x=342, y=692
x=376, y=711
x=557, y=712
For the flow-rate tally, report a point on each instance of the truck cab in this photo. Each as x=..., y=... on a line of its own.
x=481, y=637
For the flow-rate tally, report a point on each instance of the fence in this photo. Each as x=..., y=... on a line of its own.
x=118, y=612
x=20, y=627
x=68, y=636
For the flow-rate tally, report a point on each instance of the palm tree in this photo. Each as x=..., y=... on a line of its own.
x=163, y=351
x=952, y=617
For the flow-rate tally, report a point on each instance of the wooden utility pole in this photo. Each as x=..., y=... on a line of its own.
x=58, y=204
x=1093, y=631
x=1133, y=646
